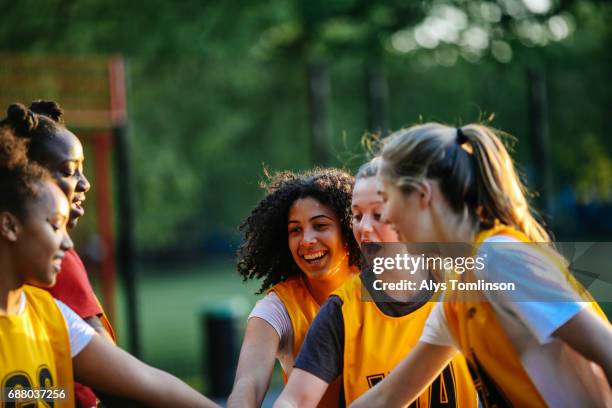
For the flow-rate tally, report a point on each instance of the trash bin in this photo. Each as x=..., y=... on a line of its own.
x=220, y=325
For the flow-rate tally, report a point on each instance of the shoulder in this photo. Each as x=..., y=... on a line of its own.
x=37, y=296
x=37, y=292
x=294, y=293
x=72, y=265
x=329, y=319
x=323, y=349
x=349, y=290
x=41, y=304
x=502, y=251
x=272, y=310
x=69, y=314
x=437, y=330
x=80, y=333
x=290, y=284
x=331, y=310
x=270, y=302
x=507, y=257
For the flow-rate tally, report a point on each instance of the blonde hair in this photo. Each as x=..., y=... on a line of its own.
x=368, y=169
x=474, y=170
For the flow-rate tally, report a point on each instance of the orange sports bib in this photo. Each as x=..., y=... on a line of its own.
x=302, y=309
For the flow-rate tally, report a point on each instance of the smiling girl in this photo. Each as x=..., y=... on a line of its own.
x=298, y=239
x=43, y=343
x=53, y=146
x=361, y=338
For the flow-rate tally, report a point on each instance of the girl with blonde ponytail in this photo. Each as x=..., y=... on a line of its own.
x=459, y=185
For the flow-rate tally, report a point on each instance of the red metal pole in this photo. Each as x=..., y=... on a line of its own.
x=104, y=201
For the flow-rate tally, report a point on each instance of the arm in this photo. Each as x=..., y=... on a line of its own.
x=95, y=322
x=103, y=366
x=590, y=336
x=405, y=383
x=303, y=390
x=257, y=356
x=554, y=308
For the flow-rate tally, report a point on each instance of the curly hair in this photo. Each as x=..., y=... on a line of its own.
x=20, y=179
x=264, y=252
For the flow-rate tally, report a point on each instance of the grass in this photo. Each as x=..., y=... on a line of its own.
x=172, y=302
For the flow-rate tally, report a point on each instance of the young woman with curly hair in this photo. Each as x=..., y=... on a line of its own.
x=44, y=345
x=56, y=148
x=298, y=240
x=361, y=338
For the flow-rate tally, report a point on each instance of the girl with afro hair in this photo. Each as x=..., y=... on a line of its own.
x=44, y=344
x=362, y=333
x=53, y=146
x=298, y=241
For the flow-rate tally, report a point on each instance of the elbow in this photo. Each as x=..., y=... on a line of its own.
x=294, y=400
x=373, y=400
x=284, y=403
x=245, y=394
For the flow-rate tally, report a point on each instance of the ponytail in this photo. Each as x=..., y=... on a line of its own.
x=475, y=172
x=502, y=195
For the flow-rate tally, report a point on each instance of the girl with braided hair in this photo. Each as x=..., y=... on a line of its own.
x=43, y=343
x=56, y=148
x=298, y=240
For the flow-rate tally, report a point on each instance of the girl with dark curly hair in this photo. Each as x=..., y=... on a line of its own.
x=299, y=241
x=56, y=148
x=43, y=343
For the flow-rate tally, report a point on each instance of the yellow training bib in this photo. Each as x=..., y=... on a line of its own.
x=499, y=376
x=375, y=343
x=35, y=352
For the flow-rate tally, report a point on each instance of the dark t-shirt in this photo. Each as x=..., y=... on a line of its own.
x=322, y=351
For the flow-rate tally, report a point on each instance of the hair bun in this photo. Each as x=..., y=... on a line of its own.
x=21, y=118
x=50, y=109
x=13, y=151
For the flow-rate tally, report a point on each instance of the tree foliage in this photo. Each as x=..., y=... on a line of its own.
x=218, y=88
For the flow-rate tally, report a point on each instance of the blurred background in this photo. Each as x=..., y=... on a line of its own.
x=181, y=105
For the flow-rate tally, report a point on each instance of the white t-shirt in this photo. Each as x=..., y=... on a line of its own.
x=80, y=333
x=273, y=311
x=562, y=376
